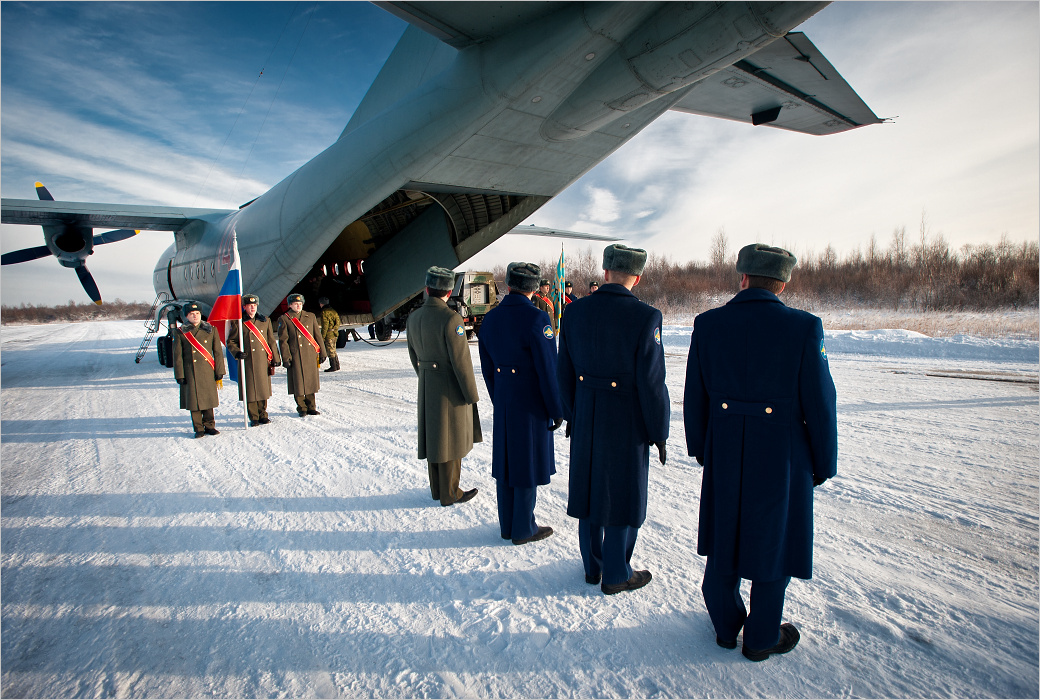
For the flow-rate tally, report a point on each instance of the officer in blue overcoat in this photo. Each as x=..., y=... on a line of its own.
x=760, y=416
x=518, y=361
x=611, y=373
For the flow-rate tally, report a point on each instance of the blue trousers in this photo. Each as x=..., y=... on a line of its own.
x=516, y=510
x=727, y=611
x=607, y=550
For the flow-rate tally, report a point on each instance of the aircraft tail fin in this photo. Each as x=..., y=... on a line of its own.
x=417, y=57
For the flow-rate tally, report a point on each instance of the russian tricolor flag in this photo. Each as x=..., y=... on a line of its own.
x=227, y=308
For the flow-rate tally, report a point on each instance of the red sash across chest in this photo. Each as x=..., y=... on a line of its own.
x=198, y=346
x=308, y=336
x=260, y=337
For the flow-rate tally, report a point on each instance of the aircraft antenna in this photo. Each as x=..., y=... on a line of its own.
x=242, y=109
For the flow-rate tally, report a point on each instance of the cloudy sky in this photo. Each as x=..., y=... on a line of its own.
x=210, y=104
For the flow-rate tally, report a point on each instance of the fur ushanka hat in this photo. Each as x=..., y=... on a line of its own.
x=620, y=258
x=763, y=260
x=440, y=279
x=523, y=277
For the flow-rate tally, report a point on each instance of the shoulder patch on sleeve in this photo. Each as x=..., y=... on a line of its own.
x=823, y=350
x=548, y=333
x=459, y=330
x=657, y=335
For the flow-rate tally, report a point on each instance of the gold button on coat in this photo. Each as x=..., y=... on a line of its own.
x=513, y=371
x=768, y=409
x=725, y=405
x=613, y=384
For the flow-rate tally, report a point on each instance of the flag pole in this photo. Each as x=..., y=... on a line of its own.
x=241, y=338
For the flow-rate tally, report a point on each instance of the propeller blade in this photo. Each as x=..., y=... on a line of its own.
x=43, y=193
x=89, y=285
x=113, y=236
x=24, y=255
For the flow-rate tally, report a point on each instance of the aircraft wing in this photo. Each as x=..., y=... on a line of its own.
x=533, y=230
x=462, y=24
x=141, y=218
x=788, y=84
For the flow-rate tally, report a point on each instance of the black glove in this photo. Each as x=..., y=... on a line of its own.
x=567, y=430
x=817, y=480
x=557, y=422
x=182, y=381
x=217, y=377
x=240, y=355
x=662, y=453
x=287, y=364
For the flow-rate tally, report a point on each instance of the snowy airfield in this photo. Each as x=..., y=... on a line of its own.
x=306, y=558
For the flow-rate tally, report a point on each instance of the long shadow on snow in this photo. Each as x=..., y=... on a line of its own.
x=93, y=428
x=165, y=504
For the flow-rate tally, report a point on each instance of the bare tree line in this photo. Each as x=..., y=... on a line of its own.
x=926, y=275
x=109, y=311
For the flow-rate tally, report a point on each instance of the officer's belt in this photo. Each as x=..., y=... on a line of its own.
x=773, y=410
x=624, y=384
x=438, y=366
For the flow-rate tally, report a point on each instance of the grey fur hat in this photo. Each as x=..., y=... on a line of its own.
x=763, y=260
x=189, y=307
x=250, y=299
x=292, y=298
x=523, y=277
x=620, y=258
x=440, y=279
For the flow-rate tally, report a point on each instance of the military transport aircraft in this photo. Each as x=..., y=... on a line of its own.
x=483, y=112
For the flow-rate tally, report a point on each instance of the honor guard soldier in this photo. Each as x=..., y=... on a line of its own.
x=593, y=286
x=611, y=373
x=198, y=364
x=329, y=332
x=299, y=341
x=544, y=302
x=518, y=361
x=448, y=420
x=260, y=353
x=760, y=416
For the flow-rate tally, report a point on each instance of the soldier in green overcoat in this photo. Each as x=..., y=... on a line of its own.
x=260, y=355
x=448, y=420
x=198, y=364
x=299, y=340
x=329, y=332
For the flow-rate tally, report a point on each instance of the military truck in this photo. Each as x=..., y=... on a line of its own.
x=475, y=294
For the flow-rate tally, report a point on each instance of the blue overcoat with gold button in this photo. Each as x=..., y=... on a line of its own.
x=518, y=361
x=611, y=373
x=760, y=415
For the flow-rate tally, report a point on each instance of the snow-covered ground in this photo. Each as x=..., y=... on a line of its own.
x=306, y=558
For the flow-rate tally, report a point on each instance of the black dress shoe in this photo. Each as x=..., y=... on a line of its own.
x=467, y=496
x=638, y=580
x=540, y=534
x=254, y=423
x=264, y=421
x=789, y=637
x=314, y=412
x=200, y=434
x=212, y=431
x=593, y=579
x=302, y=413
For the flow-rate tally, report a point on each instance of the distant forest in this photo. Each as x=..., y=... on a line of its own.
x=926, y=275
x=109, y=311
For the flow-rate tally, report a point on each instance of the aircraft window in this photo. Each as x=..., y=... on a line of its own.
x=202, y=271
x=346, y=268
x=361, y=267
x=213, y=269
